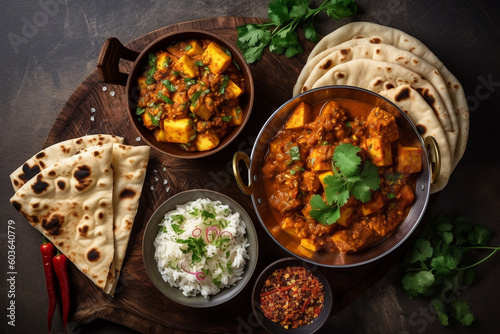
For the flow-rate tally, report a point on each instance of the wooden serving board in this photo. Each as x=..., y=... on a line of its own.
x=96, y=107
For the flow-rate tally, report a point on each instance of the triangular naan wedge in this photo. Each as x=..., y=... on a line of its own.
x=56, y=153
x=71, y=203
x=129, y=165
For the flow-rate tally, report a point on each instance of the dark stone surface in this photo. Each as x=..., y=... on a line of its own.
x=48, y=47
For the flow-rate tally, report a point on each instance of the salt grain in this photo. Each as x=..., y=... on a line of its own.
x=112, y=93
x=92, y=110
x=138, y=139
x=156, y=179
x=155, y=170
x=104, y=88
x=165, y=181
x=168, y=189
x=92, y=118
x=152, y=188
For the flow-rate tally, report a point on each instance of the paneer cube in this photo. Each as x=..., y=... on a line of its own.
x=141, y=82
x=409, y=159
x=179, y=130
x=236, y=114
x=318, y=161
x=309, y=244
x=346, y=216
x=377, y=202
x=232, y=90
x=206, y=141
x=194, y=49
x=186, y=66
x=352, y=238
x=405, y=196
x=287, y=223
x=215, y=58
x=201, y=110
x=160, y=135
x=306, y=211
x=382, y=124
x=322, y=177
x=300, y=116
x=379, y=151
x=163, y=61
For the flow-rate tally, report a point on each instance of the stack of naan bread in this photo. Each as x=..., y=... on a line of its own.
x=83, y=194
x=403, y=70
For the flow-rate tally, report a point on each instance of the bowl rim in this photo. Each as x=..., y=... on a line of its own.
x=174, y=293
x=170, y=38
x=315, y=270
x=256, y=204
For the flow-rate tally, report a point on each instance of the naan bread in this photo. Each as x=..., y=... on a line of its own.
x=55, y=153
x=389, y=54
x=129, y=166
x=376, y=33
x=71, y=203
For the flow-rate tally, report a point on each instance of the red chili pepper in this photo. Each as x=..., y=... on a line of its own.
x=48, y=251
x=61, y=268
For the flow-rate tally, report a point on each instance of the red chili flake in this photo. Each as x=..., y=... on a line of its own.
x=292, y=297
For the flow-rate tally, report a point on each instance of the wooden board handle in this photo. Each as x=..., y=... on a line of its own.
x=109, y=58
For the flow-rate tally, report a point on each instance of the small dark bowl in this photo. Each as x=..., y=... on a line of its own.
x=148, y=249
x=107, y=65
x=275, y=328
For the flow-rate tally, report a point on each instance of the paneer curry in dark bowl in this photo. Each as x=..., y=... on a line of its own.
x=190, y=93
x=338, y=176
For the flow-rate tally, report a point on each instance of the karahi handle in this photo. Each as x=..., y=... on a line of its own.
x=109, y=59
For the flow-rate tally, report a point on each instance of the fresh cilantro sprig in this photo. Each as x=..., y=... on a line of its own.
x=350, y=178
x=285, y=16
x=435, y=266
x=196, y=246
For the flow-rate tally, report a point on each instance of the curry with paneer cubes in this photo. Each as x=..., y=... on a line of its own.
x=189, y=94
x=340, y=175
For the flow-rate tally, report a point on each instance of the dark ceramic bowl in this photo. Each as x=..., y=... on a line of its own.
x=275, y=328
x=148, y=249
x=107, y=65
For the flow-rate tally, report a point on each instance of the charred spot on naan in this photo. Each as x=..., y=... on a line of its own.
x=53, y=224
x=327, y=64
x=83, y=231
x=127, y=193
x=403, y=94
x=82, y=174
x=17, y=205
x=29, y=172
x=61, y=184
x=40, y=185
x=93, y=255
x=428, y=97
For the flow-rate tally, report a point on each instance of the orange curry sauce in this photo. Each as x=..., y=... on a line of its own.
x=290, y=180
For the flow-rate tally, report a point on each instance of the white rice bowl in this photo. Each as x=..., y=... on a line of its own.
x=201, y=247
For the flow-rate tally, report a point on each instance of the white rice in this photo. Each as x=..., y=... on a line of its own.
x=219, y=261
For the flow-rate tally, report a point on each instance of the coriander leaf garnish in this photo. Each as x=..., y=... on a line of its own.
x=348, y=179
x=285, y=16
x=294, y=153
x=194, y=245
x=165, y=98
x=434, y=266
x=322, y=212
x=169, y=85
